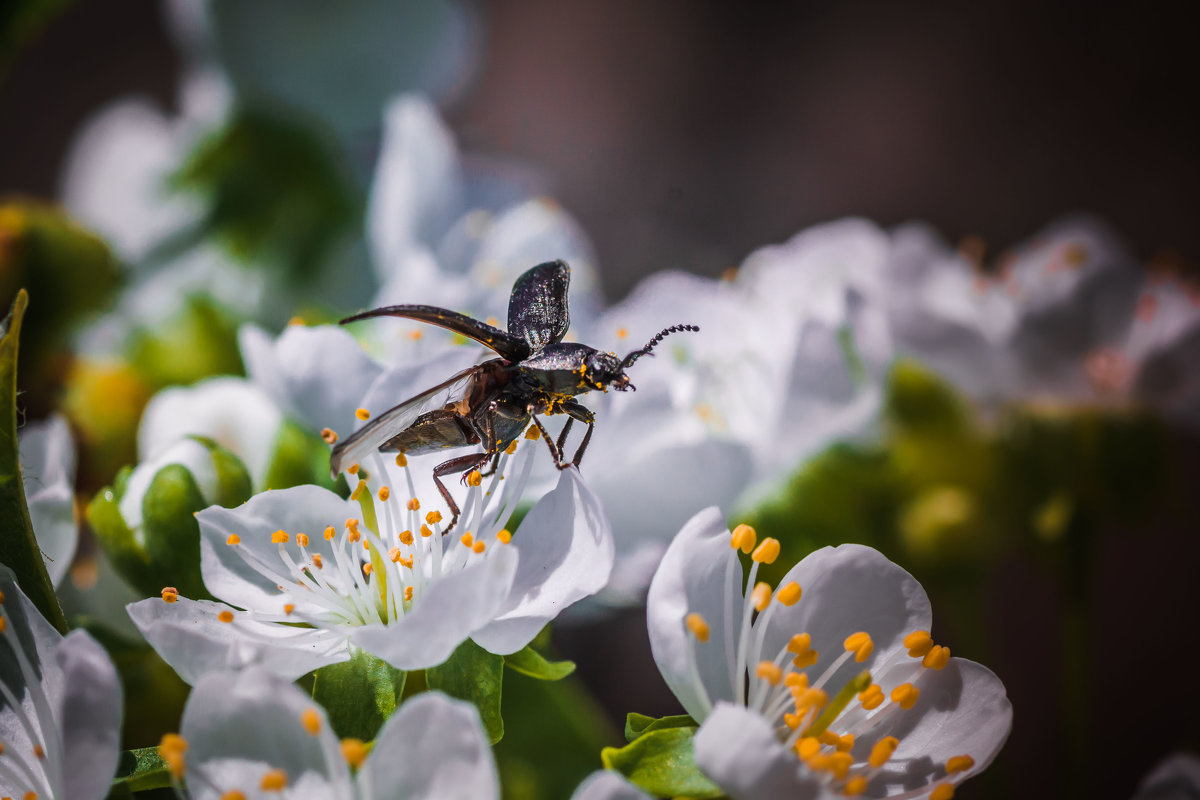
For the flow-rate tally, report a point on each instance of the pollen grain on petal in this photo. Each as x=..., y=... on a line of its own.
x=233, y=539
x=225, y=616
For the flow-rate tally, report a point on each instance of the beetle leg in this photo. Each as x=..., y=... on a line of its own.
x=578, y=411
x=562, y=436
x=465, y=463
x=554, y=451
x=587, y=437
x=492, y=469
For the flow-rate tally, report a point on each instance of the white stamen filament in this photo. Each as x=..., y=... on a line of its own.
x=13, y=764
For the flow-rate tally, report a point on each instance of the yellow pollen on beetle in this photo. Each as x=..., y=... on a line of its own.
x=698, y=626
x=354, y=751
x=467, y=539
x=807, y=747
x=311, y=720
x=401, y=460
x=492, y=321
x=860, y=644
x=478, y=547
x=329, y=533
x=789, y=594
x=767, y=551
x=474, y=479
x=405, y=537
x=408, y=593
x=855, y=786
x=533, y=433
x=761, y=596
x=504, y=536
x=918, y=643
x=413, y=505
x=426, y=532
x=943, y=792
x=384, y=493
x=274, y=780
x=882, y=751
x=225, y=616
x=329, y=435
x=279, y=537
x=905, y=695
x=302, y=539
x=362, y=414
x=770, y=672
x=959, y=764
x=233, y=539
x=937, y=658
x=170, y=594
x=318, y=561
x=288, y=608
x=743, y=538
x=872, y=697
x=433, y=517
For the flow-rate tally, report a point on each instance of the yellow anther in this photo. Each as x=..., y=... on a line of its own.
x=310, y=718
x=918, y=643
x=788, y=594
x=384, y=493
x=505, y=536
x=288, y=608
x=401, y=460
x=855, y=786
x=906, y=695
x=413, y=505
x=845, y=743
x=302, y=539
x=761, y=596
x=698, y=626
x=408, y=593
x=811, y=698
x=171, y=748
x=839, y=764
x=352, y=531
x=362, y=414
x=770, y=672
x=328, y=435
x=791, y=720
x=352, y=469
x=366, y=568
x=329, y=533
x=830, y=738
x=512, y=448
x=806, y=659
x=478, y=547
x=533, y=433
x=796, y=680
x=39, y=752
x=405, y=562
x=233, y=539
x=170, y=594
x=807, y=747
x=274, y=780
x=882, y=751
x=871, y=697
x=860, y=644
x=474, y=479
x=318, y=562
x=937, y=658
x=943, y=792
x=354, y=751
x=394, y=553
x=433, y=517
x=426, y=532
x=467, y=539
x=233, y=794
x=225, y=616
x=959, y=764
x=405, y=537
x=767, y=551
x=743, y=538
x=279, y=537
x=3, y=625
x=800, y=643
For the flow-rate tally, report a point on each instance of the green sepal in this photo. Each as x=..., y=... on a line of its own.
x=475, y=675
x=359, y=695
x=234, y=486
x=637, y=725
x=140, y=770
x=662, y=763
x=18, y=543
x=297, y=458
x=528, y=661
x=170, y=532
x=128, y=557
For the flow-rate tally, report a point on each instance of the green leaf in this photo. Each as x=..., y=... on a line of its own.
x=662, y=763
x=141, y=769
x=528, y=661
x=359, y=695
x=18, y=544
x=475, y=675
x=637, y=725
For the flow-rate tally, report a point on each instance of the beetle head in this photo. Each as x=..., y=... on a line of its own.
x=602, y=369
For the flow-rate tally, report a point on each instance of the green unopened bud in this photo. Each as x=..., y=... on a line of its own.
x=146, y=520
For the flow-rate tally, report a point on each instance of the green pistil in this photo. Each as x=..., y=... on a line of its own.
x=857, y=684
x=366, y=502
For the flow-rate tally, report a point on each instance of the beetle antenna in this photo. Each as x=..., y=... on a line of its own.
x=645, y=351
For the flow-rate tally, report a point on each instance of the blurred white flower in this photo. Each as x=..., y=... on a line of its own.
x=608, y=785
x=60, y=706
x=1176, y=777
x=829, y=683
x=48, y=477
x=253, y=734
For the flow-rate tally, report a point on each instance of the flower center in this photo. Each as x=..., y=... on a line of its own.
x=820, y=719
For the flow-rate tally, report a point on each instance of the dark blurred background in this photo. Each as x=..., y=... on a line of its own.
x=685, y=134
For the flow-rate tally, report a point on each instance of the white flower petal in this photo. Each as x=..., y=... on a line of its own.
x=240, y=725
x=1176, y=777
x=89, y=717
x=565, y=553
x=48, y=476
x=691, y=579
x=608, y=785
x=432, y=748
x=738, y=750
x=447, y=613
x=189, y=636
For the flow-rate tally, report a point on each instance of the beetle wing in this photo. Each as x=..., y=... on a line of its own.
x=370, y=437
x=504, y=344
x=537, y=308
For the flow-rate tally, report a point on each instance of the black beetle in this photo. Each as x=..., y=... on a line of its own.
x=492, y=403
